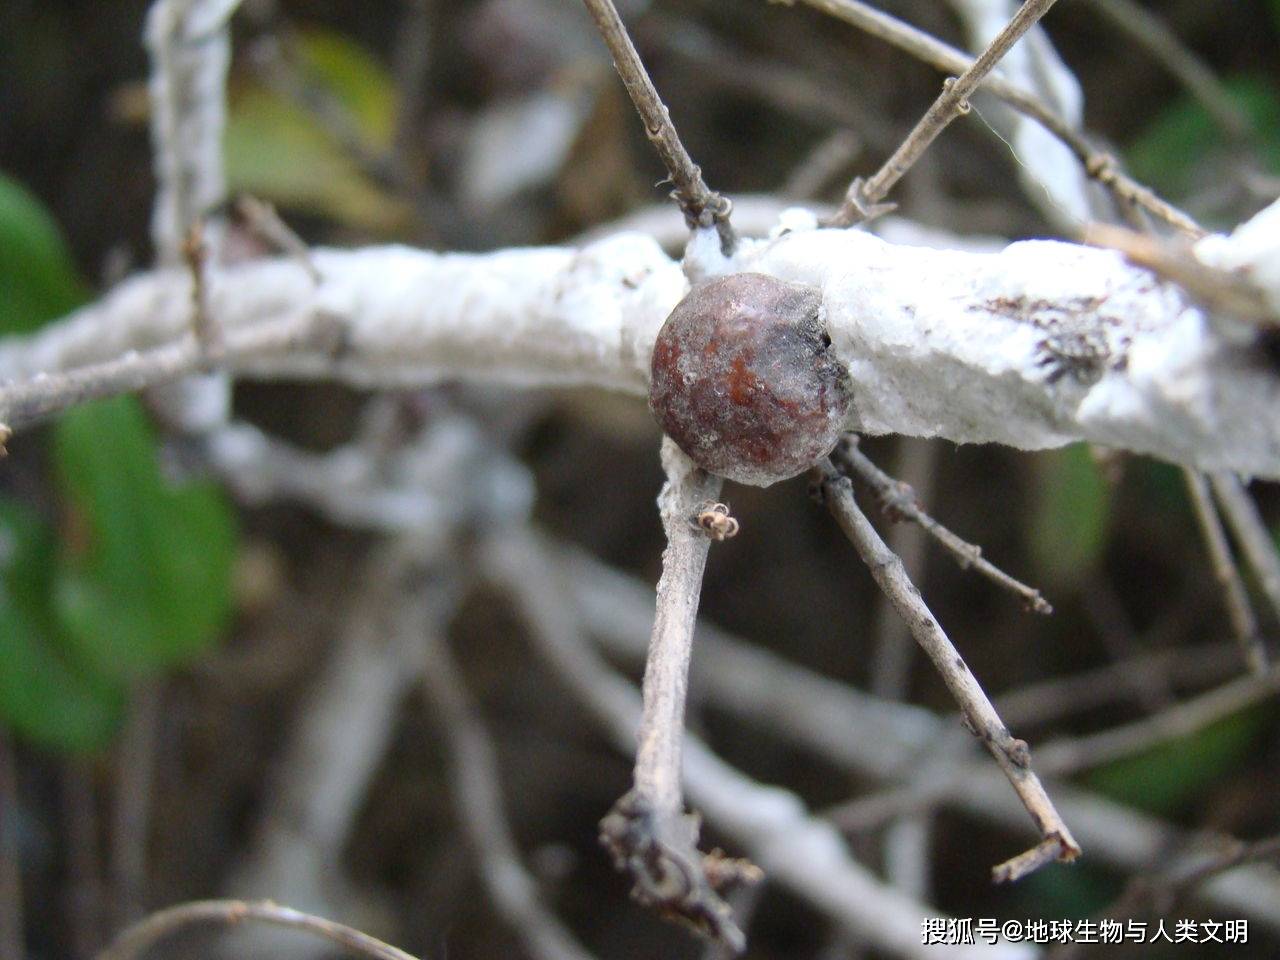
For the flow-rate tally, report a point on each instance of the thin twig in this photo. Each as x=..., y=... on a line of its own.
x=131, y=807
x=1010, y=753
x=265, y=221
x=1099, y=165
x=1049, y=701
x=1114, y=627
x=1244, y=624
x=1145, y=28
x=30, y=401
x=195, y=253
x=900, y=502
x=1063, y=757
x=1241, y=514
x=134, y=942
x=12, y=937
x=648, y=833
x=797, y=850
x=893, y=644
x=814, y=713
x=82, y=867
x=863, y=197
x=702, y=206
x=1221, y=291
x=478, y=802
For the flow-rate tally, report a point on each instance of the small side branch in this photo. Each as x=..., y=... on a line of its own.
x=1012, y=754
x=899, y=501
x=1098, y=165
x=136, y=940
x=863, y=197
x=702, y=206
x=648, y=833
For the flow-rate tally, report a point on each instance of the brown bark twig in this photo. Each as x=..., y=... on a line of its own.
x=264, y=220
x=813, y=712
x=135, y=941
x=1099, y=165
x=899, y=501
x=195, y=254
x=702, y=206
x=796, y=849
x=1012, y=754
x=862, y=200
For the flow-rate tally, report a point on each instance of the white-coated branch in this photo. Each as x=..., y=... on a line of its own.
x=190, y=48
x=1035, y=346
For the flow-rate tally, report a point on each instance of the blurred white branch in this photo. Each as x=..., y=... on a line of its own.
x=796, y=849
x=1035, y=346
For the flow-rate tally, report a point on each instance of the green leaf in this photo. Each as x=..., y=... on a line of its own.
x=279, y=149
x=1183, y=137
x=1069, y=520
x=37, y=278
x=355, y=79
x=45, y=695
x=1165, y=778
x=150, y=585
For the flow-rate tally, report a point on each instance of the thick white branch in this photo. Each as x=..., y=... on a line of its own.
x=1035, y=346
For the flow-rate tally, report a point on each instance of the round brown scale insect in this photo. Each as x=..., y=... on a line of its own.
x=745, y=381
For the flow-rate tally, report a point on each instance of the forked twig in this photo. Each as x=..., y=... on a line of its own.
x=1244, y=623
x=134, y=941
x=899, y=500
x=1099, y=165
x=702, y=206
x=863, y=197
x=1012, y=754
x=648, y=833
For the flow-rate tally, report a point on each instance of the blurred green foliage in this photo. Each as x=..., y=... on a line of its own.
x=1183, y=136
x=37, y=276
x=1068, y=528
x=308, y=156
x=1165, y=778
x=137, y=577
